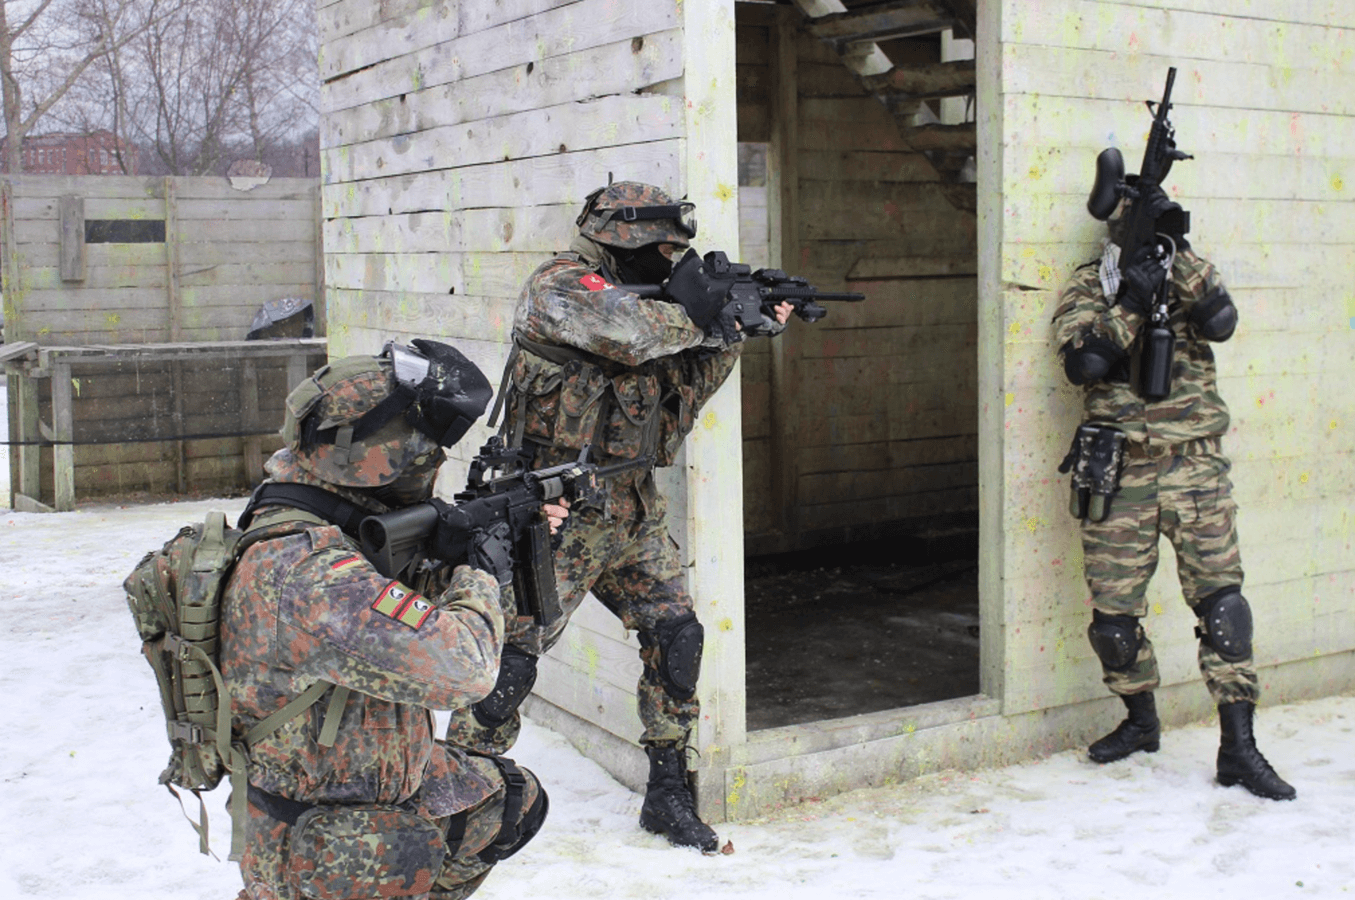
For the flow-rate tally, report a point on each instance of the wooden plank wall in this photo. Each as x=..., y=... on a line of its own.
x=458, y=141
x=119, y=407
x=1263, y=101
x=226, y=252
x=234, y=251
x=883, y=393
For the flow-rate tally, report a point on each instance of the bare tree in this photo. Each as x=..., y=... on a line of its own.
x=219, y=80
x=47, y=46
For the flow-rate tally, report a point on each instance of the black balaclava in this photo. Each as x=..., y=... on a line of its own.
x=642, y=265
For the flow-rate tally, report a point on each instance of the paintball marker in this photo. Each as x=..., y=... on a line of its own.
x=1146, y=224
x=435, y=530
x=753, y=295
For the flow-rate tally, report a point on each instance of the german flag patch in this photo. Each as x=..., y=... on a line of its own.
x=403, y=605
x=344, y=565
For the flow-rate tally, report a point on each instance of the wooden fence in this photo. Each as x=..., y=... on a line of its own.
x=129, y=282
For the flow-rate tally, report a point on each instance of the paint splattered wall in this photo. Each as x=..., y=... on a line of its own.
x=459, y=140
x=1263, y=102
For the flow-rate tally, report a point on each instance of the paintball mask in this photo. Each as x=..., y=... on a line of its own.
x=370, y=422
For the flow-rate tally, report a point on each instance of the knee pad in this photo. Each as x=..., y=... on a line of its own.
x=1115, y=639
x=518, y=828
x=1225, y=624
x=680, y=642
x=517, y=674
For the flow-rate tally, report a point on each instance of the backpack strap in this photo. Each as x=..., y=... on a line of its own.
x=307, y=498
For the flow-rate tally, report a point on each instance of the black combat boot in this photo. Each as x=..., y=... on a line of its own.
x=1239, y=760
x=670, y=809
x=1140, y=731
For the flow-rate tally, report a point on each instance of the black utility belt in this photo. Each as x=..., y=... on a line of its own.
x=1095, y=459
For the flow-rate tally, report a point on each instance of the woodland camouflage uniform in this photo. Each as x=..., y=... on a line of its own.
x=304, y=605
x=1175, y=480
x=595, y=366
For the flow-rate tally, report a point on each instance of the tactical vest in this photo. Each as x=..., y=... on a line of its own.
x=569, y=398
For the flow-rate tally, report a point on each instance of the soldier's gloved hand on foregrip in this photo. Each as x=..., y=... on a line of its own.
x=691, y=287
x=1140, y=277
x=491, y=550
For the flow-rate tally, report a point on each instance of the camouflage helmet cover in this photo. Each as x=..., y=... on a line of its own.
x=629, y=214
x=324, y=423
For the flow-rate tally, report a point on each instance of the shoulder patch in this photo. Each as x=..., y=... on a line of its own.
x=345, y=564
x=405, y=606
x=594, y=282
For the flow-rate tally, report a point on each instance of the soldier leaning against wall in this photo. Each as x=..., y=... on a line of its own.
x=1133, y=330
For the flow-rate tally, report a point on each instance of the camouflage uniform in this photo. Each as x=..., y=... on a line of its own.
x=629, y=381
x=1175, y=479
x=305, y=606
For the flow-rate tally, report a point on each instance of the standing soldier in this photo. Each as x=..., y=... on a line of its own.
x=353, y=797
x=596, y=366
x=1165, y=443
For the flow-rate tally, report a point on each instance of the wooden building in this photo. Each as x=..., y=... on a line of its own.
x=873, y=146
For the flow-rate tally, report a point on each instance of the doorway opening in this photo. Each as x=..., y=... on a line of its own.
x=860, y=431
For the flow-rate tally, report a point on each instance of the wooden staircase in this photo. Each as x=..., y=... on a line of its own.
x=856, y=34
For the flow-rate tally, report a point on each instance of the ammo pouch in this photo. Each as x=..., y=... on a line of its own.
x=1095, y=459
x=359, y=852
x=570, y=399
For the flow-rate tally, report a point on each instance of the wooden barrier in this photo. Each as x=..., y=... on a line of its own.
x=150, y=417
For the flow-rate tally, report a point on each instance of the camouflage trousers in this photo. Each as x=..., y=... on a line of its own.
x=634, y=569
x=267, y=865
x=1189, y=500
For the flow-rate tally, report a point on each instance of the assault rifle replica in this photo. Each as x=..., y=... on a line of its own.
x=753, y=295
x=1143, y=228
x=399, y=541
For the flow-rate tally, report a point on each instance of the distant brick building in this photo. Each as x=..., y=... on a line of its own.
x=65, y=153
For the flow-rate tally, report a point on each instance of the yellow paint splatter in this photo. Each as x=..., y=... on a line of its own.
x=1333, y=424
x=1338, y=183
x=1033, y=523
x=1046, y=274
x=1157, y=609
x=1028, y=252
x=1009, y=399
x=1015, y=327
x=75, y=385
x=728, y=624
x=708, y=420
x=591, y=657
x=1303, y=477
x=1036, y=172
x=724, y=192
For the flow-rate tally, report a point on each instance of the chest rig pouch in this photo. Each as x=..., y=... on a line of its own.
x=563, y=397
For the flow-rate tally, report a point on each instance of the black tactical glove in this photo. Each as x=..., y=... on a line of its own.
x=1140, y=278
x=491, y=549
x=691, y=287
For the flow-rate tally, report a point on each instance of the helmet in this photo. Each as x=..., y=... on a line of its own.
x=628, y=214
x=368, y=421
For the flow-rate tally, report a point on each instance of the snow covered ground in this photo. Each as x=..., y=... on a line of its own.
x=82, y=817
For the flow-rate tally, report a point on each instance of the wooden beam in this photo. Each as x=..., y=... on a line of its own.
x=63, y=450
x=942, y=137
x=72, y=218
x=251, y=449
x=884, y=21
x=172, y=261
x=783, y=400
x=925, y=82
